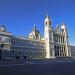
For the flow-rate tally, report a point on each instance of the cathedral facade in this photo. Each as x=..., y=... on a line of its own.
x=53, y=44
x=56, y=40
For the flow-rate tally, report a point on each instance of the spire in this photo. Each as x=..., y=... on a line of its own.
x=63, y=27
x=47, y=15
x=57, y=28
x=63, y=23
x=34, y=27
x=48, y=18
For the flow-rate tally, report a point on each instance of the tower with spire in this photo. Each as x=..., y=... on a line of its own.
x=65, y=33
x=35, y=34
x=48, y=34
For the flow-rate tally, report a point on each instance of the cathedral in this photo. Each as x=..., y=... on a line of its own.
x=53, y=44
x=56, y=41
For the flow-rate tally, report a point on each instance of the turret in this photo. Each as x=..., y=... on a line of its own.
x=35, y=34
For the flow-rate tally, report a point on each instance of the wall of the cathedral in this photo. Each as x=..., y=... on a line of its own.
x=17, y=47
x=28, y=48
x=72, y=51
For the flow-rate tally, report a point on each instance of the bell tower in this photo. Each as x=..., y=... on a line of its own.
x=48, y=23
x=48, y=35
x=64, y=32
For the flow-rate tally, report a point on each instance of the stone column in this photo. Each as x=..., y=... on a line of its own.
x=60, y=39
x=59, y=50
x=52, y=37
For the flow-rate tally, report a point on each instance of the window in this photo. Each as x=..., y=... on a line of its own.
x=5, y=39
x=64, y=48
x=63, y=39
x=36, y=53
x=30, y=35
x=59, y=39
x=0, y=38
x=49, y=23
x=31, y=53
x=26, y=53
x=12, y=52
x=46, y=23
x=51, y=53
x=56, y=50
x=46, y=39
x=19, y=52
x=54, y=47
x=41, y=53
x=0, y=52
x=50, y=39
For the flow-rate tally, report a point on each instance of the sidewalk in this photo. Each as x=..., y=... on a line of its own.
x=2, y=62
x=33, y=61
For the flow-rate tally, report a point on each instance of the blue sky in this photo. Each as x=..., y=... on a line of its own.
x=20, y=15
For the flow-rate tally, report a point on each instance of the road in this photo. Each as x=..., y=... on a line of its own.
x=50, y=68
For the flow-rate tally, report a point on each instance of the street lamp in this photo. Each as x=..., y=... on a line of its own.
x=1, y=51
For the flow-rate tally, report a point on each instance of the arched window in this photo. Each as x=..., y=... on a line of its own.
x=12, y=52
x=49, y=23
x=46, y=23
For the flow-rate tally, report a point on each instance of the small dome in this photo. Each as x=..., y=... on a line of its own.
x=47, y=18
x=63, y=26
x=3, y=28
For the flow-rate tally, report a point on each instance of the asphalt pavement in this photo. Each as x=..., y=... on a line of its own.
x=39, y=68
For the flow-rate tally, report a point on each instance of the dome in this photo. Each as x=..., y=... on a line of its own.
x=63, y=26
x=47, y=18
x=3, y=28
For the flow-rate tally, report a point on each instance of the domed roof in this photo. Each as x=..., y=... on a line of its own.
x=47, y=18
x=3, y=28
x=63, y=26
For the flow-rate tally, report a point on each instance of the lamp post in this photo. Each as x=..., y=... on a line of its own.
x=1, y=52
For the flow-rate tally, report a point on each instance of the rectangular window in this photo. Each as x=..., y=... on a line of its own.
x=46, y=39
x=12, y=52
x=50, y=39
x=19, y=52
x=63, y=39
